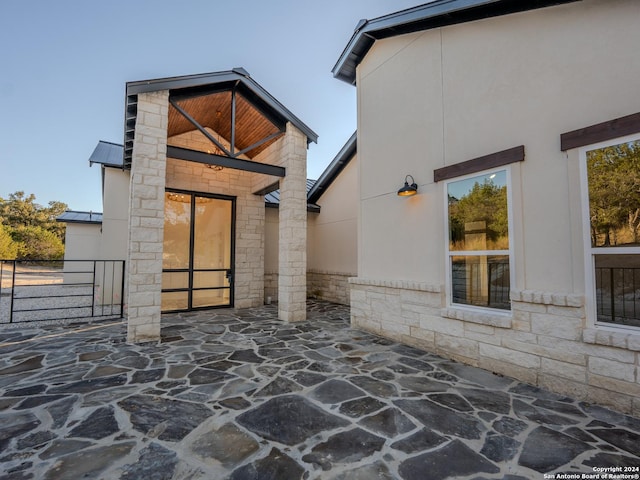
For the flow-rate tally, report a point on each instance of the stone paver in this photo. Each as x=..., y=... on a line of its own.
x=239, y=394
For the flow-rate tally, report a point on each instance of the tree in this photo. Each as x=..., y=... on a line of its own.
x=36, y=243
x=8, y=248
x=20, y=210
x=32, y=227
x=485, y=202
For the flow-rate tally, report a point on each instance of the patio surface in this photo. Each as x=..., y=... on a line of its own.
x=241, y=395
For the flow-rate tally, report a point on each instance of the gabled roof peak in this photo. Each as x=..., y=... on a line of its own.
x=438, y=13
x=237, y=78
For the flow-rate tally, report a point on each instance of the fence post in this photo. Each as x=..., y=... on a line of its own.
x=122, y=292
x=13, y=284
x=613, y=296
x=93, y=292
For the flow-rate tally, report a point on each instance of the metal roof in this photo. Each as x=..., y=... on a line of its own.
x=210, y=84
x=74, y=216
x=332, y=171
x=438, y=13
x=108, y=154
x=272, y=199
x=315, y=188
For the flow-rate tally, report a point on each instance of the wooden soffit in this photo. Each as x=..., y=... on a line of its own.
x=215, y=111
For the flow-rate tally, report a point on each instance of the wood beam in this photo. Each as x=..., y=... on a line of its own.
x=601, y=132
x=227, y=162
x=498, y=159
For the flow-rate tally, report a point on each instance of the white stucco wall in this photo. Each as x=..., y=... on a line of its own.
x=82, y=241
x=115, y=214
x=440, y=97
x=332, y=239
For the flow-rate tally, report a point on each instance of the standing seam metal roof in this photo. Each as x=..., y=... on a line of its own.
x=74, y=216
x=332, y=171
x=108, y=154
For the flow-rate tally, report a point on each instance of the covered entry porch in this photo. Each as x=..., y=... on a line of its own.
x=203, y=151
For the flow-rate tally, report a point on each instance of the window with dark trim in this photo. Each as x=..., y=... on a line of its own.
x=478, y=207
x=478, y=247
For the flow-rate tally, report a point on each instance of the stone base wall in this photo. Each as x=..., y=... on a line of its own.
x=332, y=287
x=543, y=341
x=329, y=286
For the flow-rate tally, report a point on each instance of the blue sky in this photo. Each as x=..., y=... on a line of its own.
x=64, y=65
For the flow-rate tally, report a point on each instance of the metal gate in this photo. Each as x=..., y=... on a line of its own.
x=49, y=290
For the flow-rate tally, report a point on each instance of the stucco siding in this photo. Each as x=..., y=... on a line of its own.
x=441, y=97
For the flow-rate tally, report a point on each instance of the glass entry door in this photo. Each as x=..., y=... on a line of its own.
x=197, y=257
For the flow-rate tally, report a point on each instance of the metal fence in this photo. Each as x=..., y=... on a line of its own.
x=481, y=281
x=49, y=290
x=618, y=295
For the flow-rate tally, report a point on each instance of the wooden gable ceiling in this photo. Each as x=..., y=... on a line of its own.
x=214, y=111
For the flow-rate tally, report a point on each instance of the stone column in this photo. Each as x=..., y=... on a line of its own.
x=146, y=217
x=292, y=279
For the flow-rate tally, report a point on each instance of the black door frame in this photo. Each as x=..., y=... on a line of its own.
x=230, y=272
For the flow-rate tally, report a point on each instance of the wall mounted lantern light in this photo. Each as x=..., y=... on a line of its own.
x=408, y=190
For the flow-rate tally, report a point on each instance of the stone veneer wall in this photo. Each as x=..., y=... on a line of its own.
x=271, y=286
x=146, y=217
x=329, y=286
x=543, y=341
x=290, y=152
x=332, y=287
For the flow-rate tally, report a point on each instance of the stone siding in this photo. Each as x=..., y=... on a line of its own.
x=271, y=287
x=146, y=217
x=292, y=225
x=330, y=286
x=542, y=341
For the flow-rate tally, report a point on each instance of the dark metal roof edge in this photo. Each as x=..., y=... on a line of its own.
x=237, y=74
x=332, y=171
x=398, y=23
x=311, y=207
x=106, y=164
x=61, y=220
x=85, y=222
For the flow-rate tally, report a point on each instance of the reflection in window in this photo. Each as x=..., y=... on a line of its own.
x=177, y=228
x=614, y=194
x=613, y=180
x=478, y=223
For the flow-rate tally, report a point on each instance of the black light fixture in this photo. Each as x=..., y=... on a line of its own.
x=408, y=190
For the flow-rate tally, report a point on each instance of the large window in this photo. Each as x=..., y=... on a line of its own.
x=611, y=179
x=478, y=251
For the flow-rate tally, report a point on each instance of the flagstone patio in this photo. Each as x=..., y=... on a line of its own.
x=239, y=394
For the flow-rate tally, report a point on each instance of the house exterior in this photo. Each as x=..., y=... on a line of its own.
x=207, y=225
x=520, y=123
x=202, y=151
